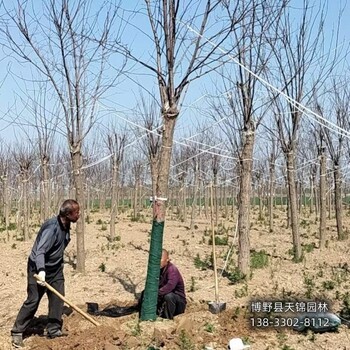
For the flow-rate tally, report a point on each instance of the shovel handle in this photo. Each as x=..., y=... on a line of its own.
x=53, y=290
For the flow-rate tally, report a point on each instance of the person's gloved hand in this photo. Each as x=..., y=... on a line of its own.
x=41, y=275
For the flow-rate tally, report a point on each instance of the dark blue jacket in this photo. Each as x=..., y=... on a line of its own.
x=49, y=245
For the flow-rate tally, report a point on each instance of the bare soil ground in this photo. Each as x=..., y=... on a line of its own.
x=115, y=274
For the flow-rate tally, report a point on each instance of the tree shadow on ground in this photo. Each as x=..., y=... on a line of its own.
x=128, y=284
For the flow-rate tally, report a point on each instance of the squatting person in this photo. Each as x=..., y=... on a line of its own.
x=46, y=260
x=171, y=292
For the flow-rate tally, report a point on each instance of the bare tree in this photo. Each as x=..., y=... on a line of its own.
x=67, y=45
x=151, y=144
x=45, y=123
x=297, y=49
x=181, y=55
x=116, y=145
x=336, y=140
x=24, y=157
x=5, y=176
x=239, y=111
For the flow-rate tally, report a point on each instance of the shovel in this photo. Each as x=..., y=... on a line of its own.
x=53, y=290
x=214, y=306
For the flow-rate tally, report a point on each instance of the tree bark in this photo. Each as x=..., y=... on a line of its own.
x=244, y=197
x=338, y=202
x=25, y=197
x=80, y=197
x=293, y=205
x=7, y=208
x=194, y=200
x=46, y=195
x=114, y=203
x=323, y=200
x=271, y=193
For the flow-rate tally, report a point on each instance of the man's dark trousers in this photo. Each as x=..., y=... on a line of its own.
x=172, y=305
x=55, y=278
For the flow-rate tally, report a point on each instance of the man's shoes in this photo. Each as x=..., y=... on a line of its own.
x=17, y=340
x=56, y=334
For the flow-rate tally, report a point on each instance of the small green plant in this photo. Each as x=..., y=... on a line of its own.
x=12, y=226
x=245, y=340
x=102, y=267
x=114, y=239
x=200, y=264
x=236, y=276
x=309, y=286
x=99, y=222
x=345, y=310
x=136, y=330
x=185, y=342
x=243, y=292
x=193, y=284
x=320, y=273
x=14, y=246
x=138, y=218
x=236, y=313
x=209, y=327
x=281, y=337
x=259, y=259
x=218, y=240
x=104, y=227
x=328, y=285
x=308, y=248
x=304, y=223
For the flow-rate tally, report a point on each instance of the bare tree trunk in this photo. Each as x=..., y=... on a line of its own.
x=184, y=193
x=271, y=193
x=80, y=197
x=200, y=190
x=114, y=203
x=88, y=199
x=7, y=208
x=200, y=193
x=135, y=201
x=103, y=200
x=260, y=199
x=245, y=191
x=233, y=200
x=194, y=200
x=216, y=206
x=293, y=204
x=323, y=199
x=311, y=209
x=206, y=200
x=330, y=204
x=225, y=200
x=338, y=203
x=41, y=200
x=316, y=199
x=25, y=197
x=181, y=200
x=46, y=195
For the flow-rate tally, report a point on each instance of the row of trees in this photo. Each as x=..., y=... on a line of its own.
x=266, y=61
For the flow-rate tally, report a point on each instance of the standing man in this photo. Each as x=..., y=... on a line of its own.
x=46, y=260
x=171, y=293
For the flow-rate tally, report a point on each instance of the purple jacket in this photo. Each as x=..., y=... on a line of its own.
x=170, y=280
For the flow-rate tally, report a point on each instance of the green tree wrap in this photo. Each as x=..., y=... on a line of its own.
x=150, y=297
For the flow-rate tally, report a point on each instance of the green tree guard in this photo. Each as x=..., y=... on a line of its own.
x=150, y=296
